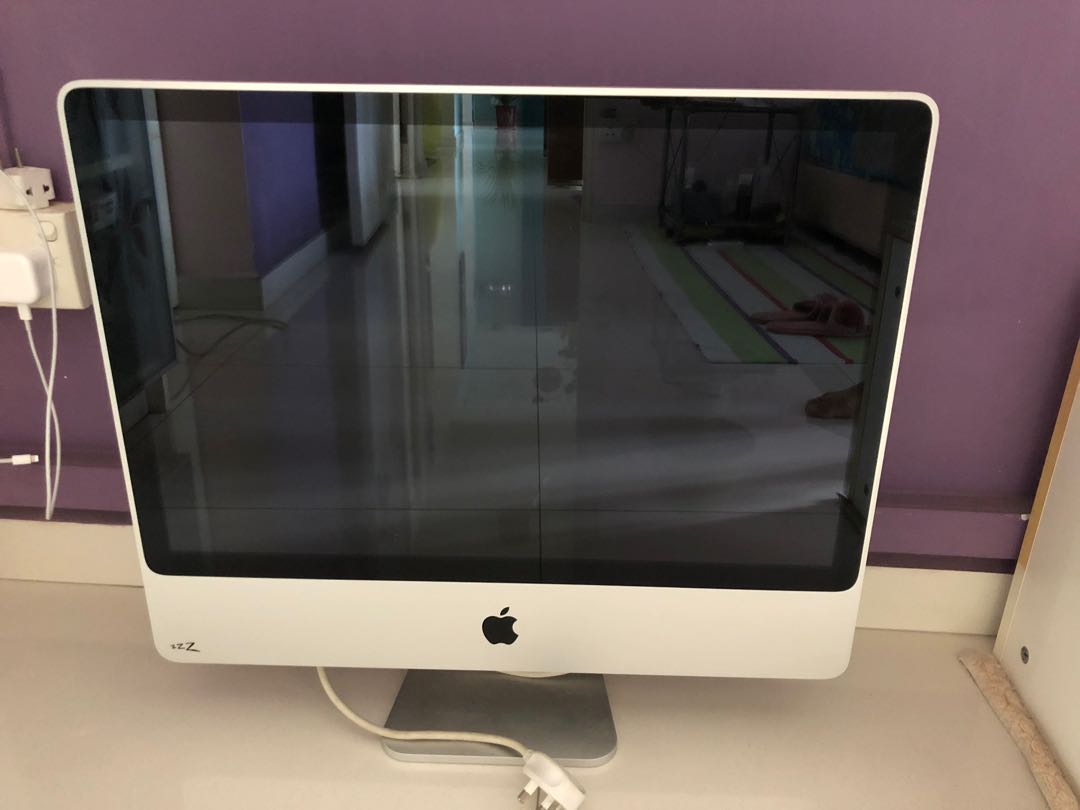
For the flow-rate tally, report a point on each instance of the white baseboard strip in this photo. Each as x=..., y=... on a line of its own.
x=54, y=551
x=932, y=600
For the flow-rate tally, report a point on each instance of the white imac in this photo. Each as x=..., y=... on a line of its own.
x=590, y=380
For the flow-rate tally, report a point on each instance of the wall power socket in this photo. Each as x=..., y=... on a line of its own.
x=59, y=221
x=33, y=182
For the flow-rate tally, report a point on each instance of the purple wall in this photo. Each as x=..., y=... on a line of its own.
x=994, y=309
x=279, y=166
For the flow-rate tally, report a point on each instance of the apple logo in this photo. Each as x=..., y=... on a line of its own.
x=500, y=629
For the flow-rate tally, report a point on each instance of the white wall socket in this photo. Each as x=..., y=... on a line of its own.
x=30, y=183
x=615, y=134
x=61, y=226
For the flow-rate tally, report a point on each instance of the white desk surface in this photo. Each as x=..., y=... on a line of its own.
x=91, y=718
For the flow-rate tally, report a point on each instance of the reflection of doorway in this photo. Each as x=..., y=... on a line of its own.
x=331, y=164
x=369, y=161
x=564, y=119
x=117, y=151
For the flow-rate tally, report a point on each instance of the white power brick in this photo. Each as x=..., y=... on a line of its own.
x=24, y=276
x=18, y=233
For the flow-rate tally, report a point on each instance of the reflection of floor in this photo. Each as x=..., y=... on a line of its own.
x=491, y=358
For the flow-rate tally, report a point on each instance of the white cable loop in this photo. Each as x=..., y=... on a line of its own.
x=55, y=418
x=393, y=734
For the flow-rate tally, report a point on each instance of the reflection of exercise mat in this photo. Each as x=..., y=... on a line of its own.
x=847, y=281
x=714, y=290
x=760, y=278
x=715, y=325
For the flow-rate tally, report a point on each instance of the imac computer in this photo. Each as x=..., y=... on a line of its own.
x=509, y=379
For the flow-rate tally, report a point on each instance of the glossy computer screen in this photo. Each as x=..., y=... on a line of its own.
x=641, y=341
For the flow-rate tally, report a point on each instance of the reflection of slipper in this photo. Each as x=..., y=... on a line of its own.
x=808, y=310
x=845, y=319
x=836, y=404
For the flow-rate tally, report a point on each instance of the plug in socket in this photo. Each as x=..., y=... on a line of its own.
x=61, y=225
x=24, y=275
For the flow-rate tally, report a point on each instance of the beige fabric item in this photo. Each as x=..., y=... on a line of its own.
x=1003, y=698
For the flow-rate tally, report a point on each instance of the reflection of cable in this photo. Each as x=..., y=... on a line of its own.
x=242, y=321
x=48, y=381
x=771, y=180
x=228, y=316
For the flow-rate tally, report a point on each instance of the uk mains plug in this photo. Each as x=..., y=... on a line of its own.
x=24, y=275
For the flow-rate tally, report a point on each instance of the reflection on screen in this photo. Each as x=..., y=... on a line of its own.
x=501, y=338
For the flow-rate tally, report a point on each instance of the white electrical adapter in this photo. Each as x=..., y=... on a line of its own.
x=558, y=791
x=59, y=222
x=35, y=183
x=24, y=275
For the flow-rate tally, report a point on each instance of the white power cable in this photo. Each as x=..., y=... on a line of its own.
x=393, y=734
x=50, y=496
x=546, y=779
x=48, y=381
